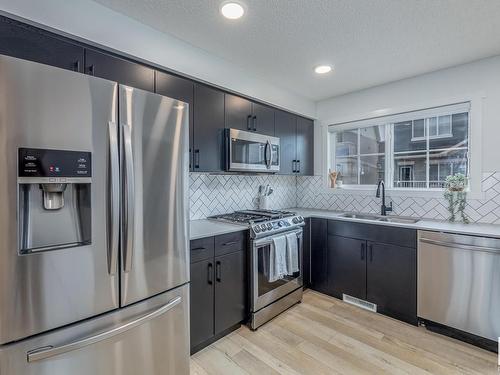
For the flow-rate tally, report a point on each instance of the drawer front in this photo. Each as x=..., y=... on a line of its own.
x=374, y=232
x=202, y=249
x=231, y=242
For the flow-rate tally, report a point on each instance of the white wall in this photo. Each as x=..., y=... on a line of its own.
x=94, y=22
x=479, y=80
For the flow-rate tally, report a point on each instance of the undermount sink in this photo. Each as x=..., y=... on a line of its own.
x=388, y=219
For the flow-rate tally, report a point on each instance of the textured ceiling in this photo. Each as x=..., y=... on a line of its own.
x=369, y=42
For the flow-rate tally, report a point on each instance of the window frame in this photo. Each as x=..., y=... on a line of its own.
x=389, y=154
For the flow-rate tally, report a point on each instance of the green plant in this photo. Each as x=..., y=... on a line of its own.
x=456, y=195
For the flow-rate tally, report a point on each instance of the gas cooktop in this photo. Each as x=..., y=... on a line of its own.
x=263, y=222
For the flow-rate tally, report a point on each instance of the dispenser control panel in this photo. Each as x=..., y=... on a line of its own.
x=57, y=164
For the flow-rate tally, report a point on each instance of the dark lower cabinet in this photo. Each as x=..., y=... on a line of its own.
x=319, y=267
x=391, y=280
x=208, y=129
x=110, y=67
x=346, y=267
x=372, y=262
x=202, y=302
x=30, y=43
x=218, y=287
x=306, y=254
x=230, y=290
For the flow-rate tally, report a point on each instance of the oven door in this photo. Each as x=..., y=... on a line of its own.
x=252, y=152
x=265, y=292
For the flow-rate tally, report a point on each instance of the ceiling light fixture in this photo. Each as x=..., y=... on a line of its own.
x=323, y=69
x=232, y=10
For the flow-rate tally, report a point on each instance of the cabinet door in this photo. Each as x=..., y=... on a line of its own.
x=180, y=89
x=202, y=302
x=30, y=43
x=391, y=280
x=305, y=144
x=208, y=129
x=347, y=266
x=230, y=287
x=263, y=119
x=238, y=113
x=116, y=69
x=318, y=278
x=285, y=129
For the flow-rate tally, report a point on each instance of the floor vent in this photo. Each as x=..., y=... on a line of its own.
x=359, y=302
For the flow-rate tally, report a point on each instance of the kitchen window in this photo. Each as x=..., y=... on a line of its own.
x=413, y=150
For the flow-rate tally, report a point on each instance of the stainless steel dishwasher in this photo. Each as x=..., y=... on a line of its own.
x=459, y=282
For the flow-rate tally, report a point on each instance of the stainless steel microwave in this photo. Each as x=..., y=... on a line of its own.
x=251, y=152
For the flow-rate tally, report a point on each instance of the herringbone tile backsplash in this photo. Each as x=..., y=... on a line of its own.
x=216, y=194
x=487, y=210
x=219, y=194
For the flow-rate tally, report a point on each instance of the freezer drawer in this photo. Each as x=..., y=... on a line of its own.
x=150, y=338
x=459, y=282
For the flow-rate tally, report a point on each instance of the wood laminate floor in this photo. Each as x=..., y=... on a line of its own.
x=323, y=335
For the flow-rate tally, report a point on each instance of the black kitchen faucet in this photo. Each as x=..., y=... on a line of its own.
x=383, y=208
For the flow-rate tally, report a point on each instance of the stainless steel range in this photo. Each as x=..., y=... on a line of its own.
x=269, y=298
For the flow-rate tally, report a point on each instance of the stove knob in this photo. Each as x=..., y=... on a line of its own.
x=300, y=219
x=281, y=223
x=269, y=226
x=256, y=229
x=295, y=220
x=263, y=227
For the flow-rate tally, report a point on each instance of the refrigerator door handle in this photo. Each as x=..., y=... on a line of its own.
x=51, y=351
x=115, y=201
x=130, y=198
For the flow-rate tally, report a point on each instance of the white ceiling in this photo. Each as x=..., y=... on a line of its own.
x=369, y=42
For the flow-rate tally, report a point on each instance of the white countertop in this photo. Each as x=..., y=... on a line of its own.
x=208, y=228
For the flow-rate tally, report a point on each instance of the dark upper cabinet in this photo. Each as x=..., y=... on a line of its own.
x=391, y=280
x=305, y=146
x=30, y=43
x=202, y=302
x=238, y=113
x=180, y=89
x=286, y=129
x=230, y=290
x=106, y=66
x=318, y=278
x=243, y=114
x=208, y=129
x=346, y=266
x=263, y=119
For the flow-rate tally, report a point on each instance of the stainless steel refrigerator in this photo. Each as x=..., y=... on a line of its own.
x=93, y=226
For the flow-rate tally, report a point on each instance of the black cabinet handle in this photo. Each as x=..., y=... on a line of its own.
x=362, y=251
x=254, y=123
x=190, y=158
x=294, y=166
x=298, y=166
x=249, y=117
x=210, y=273
x=196, y=159
x=92, y=70
x=230, y=243
x=198, y=248
x=77, y=66
x=370, y=249
x=218, y=271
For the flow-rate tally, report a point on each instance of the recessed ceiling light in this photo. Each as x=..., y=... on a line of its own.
x=322, y=69
x=232, y=10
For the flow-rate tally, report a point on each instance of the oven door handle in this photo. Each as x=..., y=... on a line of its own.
x=269, y=240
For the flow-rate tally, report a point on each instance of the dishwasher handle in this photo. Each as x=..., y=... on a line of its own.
x=454, y=245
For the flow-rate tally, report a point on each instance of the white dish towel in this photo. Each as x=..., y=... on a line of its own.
x=277, y=259
x=292, y=253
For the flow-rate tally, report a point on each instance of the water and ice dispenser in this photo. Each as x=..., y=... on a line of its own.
x=54, y=199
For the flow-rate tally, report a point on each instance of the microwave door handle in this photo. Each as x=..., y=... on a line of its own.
x=267, y=155
x=130, y=198
x=114, y=193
